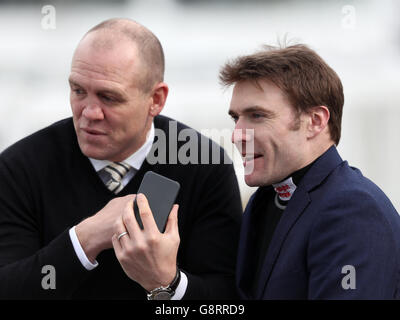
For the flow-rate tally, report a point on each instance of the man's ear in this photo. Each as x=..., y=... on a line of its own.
x=318, y=118
x=159, y=97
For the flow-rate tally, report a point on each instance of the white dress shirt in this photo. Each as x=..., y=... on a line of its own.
x=135, y=161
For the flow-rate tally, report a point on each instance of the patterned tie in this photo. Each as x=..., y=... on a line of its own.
x=116, y=170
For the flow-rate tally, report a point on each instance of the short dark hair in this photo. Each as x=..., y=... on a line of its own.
x=148, y=44
x=304, y=77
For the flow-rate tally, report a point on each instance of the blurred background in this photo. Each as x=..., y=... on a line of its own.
x=359, y=39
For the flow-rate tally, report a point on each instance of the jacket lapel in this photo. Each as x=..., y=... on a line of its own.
x=244, y=250
x=289, y=217
x=296, y=207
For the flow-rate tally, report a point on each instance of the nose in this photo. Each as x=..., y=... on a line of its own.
x=242, y=135
x=243, y=138
x=92, y=111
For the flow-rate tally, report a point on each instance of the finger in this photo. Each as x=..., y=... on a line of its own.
x=130, y=197
x=172, y=223
x=129, y=220
x=119, y=230
x=116, y=245
x=145, y=214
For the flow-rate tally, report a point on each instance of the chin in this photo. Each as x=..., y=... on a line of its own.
x=93, y=152
x=258, y=180
x=252, y=180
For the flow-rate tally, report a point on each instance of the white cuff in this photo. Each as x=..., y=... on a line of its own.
x=181, y=289
x=79, y=251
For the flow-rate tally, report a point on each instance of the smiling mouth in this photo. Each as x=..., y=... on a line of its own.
x=248, y=160
x=251, y=157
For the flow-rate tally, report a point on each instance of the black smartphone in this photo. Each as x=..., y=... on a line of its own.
x=161, y=193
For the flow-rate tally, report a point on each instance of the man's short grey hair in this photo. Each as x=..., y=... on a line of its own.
x=149, y=47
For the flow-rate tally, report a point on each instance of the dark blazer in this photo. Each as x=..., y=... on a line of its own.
x=338, y=238
x=47, y=186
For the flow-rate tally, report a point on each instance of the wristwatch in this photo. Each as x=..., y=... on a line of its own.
x=165, y=293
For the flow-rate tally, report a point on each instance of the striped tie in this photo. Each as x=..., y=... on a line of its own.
x=116, y=170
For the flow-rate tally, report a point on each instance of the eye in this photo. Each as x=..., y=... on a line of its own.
x=78, y=91
x=107, y=98
x=234, y=118
x=110, y=98
x=255, y=115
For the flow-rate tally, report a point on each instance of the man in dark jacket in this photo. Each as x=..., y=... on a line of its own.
x=316, y=228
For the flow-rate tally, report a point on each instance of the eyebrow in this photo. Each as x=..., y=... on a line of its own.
x=72, y=82
x=115, y=93
x=231, y=113
x=250, y=109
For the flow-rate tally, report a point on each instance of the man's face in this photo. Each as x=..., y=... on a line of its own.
x=110, y=110
x=275, y=147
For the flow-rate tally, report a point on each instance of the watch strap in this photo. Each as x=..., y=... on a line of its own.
x=168, y=290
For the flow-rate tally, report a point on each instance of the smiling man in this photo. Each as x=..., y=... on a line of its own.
x=67, y=191
x=316, y=228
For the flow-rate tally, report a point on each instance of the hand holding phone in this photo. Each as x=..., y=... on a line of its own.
x=161, y=193
x=149, y=257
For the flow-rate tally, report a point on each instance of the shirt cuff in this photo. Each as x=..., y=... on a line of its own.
x=79, y=251
x=181, y=289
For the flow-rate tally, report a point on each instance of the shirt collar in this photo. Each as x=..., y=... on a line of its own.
x=285, y=189
x=135, y=160
x=288, y=186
